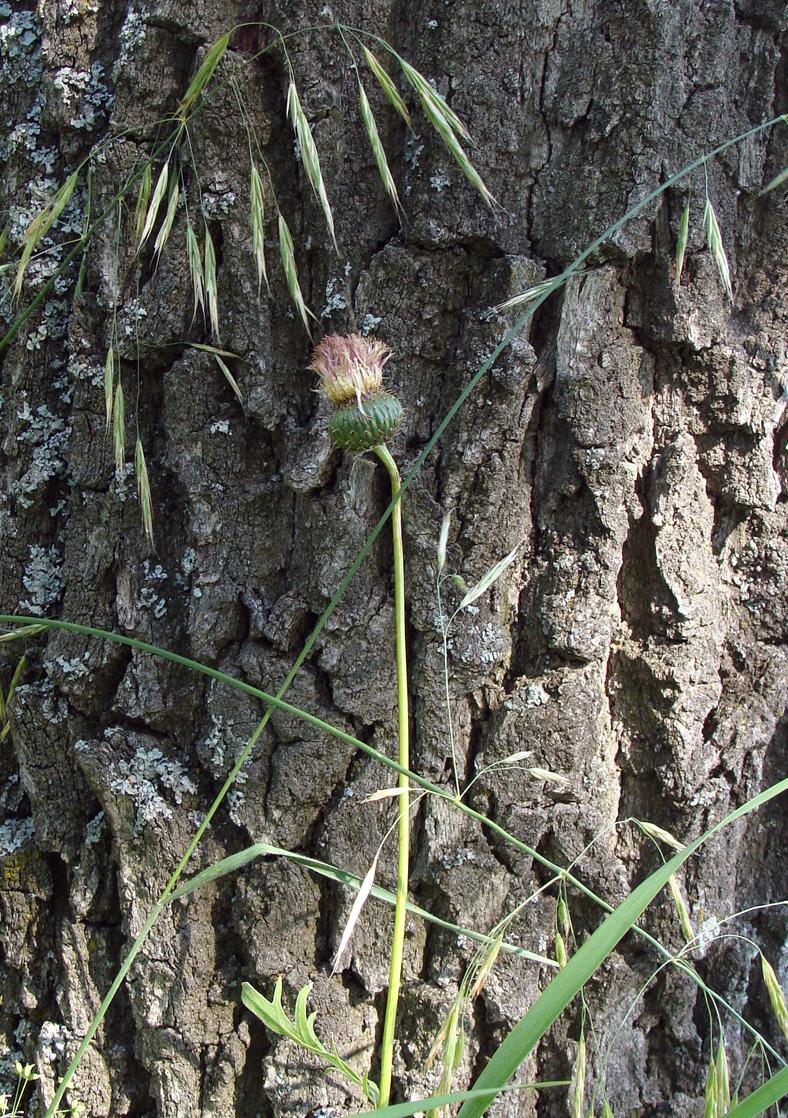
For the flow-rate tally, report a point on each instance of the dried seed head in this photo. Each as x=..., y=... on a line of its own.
x=350, y=368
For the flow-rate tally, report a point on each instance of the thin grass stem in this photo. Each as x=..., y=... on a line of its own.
x=444, y=624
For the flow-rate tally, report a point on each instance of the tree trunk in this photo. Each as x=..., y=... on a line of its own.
x=629, y=444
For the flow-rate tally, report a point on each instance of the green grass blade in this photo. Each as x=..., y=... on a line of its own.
x=209, y=277
x=714, y=240
x=434, y=1102
x=228, y=376
x=155, y=202
x=263, y=849
x=766, y=1095
x=681, y=244
x=387, y=85
x=529, y=1030
x=778, y=180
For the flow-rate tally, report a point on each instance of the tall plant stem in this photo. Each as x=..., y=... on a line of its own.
x=403, y=757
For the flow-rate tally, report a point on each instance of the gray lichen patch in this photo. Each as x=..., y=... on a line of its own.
x=150, y=783
x=43, y=579
x=48, y=437
x=15, y=835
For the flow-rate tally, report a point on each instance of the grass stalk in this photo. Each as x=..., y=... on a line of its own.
x=403, y=757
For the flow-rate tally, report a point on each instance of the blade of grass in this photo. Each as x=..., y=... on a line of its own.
x=309, y=156
x=561, y=990
x=22, y=633
x=778, y=180
x=213, y=349
x=291, y=275
x=362, y=893
x=761, y=1099
x=455, y=148
x=258, y=226
x=579, y=1079
x=7, y=699
x=429, y=95
x=490, y=577
x=166, y=226
x=776, y=996
x=714, y=241
x=435, y=1102
x=119, y=427
x=209, y=273
x=681, y=244
x=109, y=385
x=195, y=270
x=143, y=197
x=155, y=202
x=370, y=125
x=237, y=861
x=546, y=287
x=143, y=490
x=228, y=376
x=387, y=85
x=40, y=226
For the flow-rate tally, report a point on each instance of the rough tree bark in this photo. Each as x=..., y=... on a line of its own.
x=631, y=444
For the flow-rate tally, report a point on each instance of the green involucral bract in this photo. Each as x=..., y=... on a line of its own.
x=356, y=430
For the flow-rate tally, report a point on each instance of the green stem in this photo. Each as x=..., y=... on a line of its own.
x=403, y=757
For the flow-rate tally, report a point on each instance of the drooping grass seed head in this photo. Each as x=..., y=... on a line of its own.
x=350, y=369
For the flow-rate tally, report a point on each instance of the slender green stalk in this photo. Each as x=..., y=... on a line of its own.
x=403, y=757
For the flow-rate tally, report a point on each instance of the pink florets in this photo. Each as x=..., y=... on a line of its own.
x=350, y=367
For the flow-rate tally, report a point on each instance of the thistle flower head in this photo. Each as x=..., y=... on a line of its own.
x=350, y=368
x=351, y=375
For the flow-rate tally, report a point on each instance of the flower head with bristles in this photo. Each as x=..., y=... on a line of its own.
x=350, y=367
x=351, y=375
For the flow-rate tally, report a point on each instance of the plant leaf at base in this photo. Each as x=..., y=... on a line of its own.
x=301, y=1030
x=529, y=1030
x=765, y=1096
